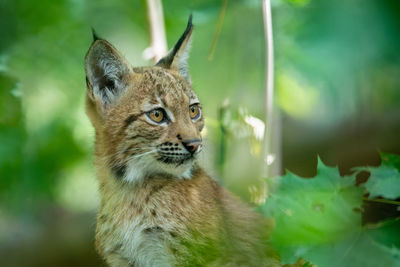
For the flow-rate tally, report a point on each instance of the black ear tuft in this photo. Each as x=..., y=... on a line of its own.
x=177, y=57
x=95, y=36
x=167, y=61
x=188, y=30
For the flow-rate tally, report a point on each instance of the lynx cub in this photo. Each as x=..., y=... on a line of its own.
x=158, y=207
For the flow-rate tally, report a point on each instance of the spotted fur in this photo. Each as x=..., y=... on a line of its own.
x=158, y=207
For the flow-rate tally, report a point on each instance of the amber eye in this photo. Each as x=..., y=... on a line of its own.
x=157, y=115
x=194, y=111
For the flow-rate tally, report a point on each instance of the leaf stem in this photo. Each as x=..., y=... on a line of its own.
x=217, y=30
x=223, y=141
x=386, y=201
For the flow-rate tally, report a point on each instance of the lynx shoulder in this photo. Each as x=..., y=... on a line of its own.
x=158, y=207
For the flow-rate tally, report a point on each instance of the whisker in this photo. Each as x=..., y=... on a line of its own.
x=145, y=153
x=120, y=156
x=131, y=149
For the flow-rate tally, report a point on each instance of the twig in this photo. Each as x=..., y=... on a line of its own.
x=158, y=47
x=223, y=138
x=218, y=29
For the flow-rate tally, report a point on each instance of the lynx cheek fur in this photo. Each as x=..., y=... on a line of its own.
x=158, y=207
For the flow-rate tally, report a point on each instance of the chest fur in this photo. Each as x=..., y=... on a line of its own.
x=145, y=224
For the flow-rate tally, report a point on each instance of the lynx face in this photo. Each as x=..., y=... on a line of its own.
x=148, y=120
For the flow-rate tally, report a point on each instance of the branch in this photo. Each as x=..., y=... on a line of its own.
x=158, y=47
x=272, y=127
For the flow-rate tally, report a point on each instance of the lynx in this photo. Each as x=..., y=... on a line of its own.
x=158, y=206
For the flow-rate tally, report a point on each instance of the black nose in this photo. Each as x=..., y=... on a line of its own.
x=192, y=145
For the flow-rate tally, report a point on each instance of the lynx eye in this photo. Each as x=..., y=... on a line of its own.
x=156, y=115
x=194, y=111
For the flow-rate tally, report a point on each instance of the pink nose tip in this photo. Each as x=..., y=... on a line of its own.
x=192, y=145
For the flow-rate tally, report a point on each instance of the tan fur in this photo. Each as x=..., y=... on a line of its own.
x=154, y=213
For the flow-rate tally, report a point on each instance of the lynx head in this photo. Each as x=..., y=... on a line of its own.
x=147, y=120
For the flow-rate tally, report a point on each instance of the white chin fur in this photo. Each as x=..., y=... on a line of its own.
x=138, y=169
x=183, y=171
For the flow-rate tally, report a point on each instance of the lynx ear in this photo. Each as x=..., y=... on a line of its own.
x=106, y=71
x=178, y=56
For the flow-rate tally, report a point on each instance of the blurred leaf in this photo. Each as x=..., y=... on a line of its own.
x=390, y=160
x=12, y=133
x=299, y=2
x=384, y=180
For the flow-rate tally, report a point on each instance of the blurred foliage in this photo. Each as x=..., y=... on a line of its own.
x=319, y=219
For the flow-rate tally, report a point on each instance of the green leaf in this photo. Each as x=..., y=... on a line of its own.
x=390, y=160
x=318, y=219
x=384, y=181
x=311, y=213
x=386, y=233
x=359, y=249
